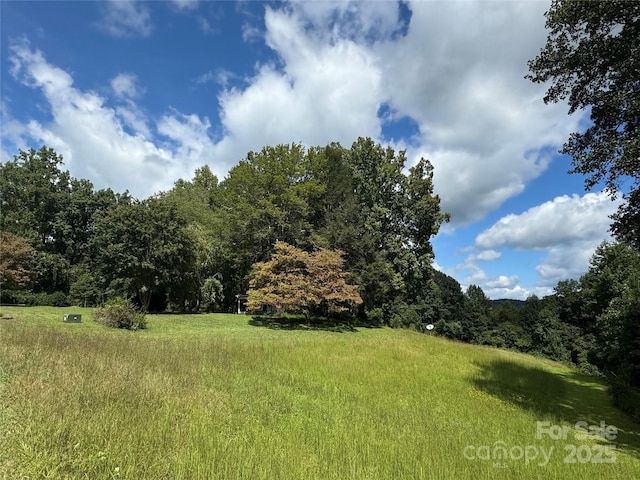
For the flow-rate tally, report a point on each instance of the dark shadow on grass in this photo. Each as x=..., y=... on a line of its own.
x=286, y=322
x=565, y=397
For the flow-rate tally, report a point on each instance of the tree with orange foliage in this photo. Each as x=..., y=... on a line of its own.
x=299, y=282
x=16, y=257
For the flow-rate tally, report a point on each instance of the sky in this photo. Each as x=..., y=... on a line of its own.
x=136, y=95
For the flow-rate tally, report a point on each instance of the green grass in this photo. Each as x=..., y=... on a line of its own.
x=213, y=396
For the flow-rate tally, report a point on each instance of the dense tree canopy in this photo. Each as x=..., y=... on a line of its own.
x=181, y=247
x=611, y=294
x=358, y=200
x=592, y=59
x=142, y=248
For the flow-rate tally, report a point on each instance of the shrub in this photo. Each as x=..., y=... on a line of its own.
x=211, y=293
x=13, y=296
x=41, y=299
x=120, y=313
x=57, y=299
x=449, y=329
x=375, y=316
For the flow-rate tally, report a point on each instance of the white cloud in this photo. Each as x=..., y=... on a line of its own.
x=125, y=85
x=189, y=133
x=568, y=227
x=515, y=292
x=488, y=255
x=132, y=117
x=502, y=281
x=459, y=74
x=126, y=18
x=12, y=133
x=92, y=136
x=220, y=76
x=251, y=33
x=207, y=77
x=566, y=261
x=205, y=26
x=325, y=92
x=126, y=89
x=559, y=221
x=356, y=20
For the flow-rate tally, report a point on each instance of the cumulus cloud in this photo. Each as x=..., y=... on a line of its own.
x=324, y=92
x=561, y=220
x=126, y=18
x=361, y=21
x=568, y=227
x=482, y=125
x=109, y=145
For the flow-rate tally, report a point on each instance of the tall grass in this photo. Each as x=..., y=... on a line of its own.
x=210, y=396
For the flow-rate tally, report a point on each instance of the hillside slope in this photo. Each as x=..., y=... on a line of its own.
x=212, y=396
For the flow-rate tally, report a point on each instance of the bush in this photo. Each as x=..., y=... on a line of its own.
x=211, y=293
x=41, y=299
x=120, y=313
x=56, y=299
x=375, y=316
x=451, y=330
x=10, y=297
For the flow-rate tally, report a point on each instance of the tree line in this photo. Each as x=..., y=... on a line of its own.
x=192, y=248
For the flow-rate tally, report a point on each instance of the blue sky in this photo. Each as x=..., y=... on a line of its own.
x=135, y=95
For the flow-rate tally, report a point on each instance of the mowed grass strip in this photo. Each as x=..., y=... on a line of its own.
x=210, y=396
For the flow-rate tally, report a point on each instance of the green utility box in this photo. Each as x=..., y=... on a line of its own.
x=72, y=318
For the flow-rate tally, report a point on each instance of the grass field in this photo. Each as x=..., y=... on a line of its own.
x=214, y=397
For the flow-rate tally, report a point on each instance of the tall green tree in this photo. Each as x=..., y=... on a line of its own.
x=142, y=250
x=610, y=290
x=271, y=195
x=194, y=200
x=33, y=190
x=477, y=314
x=396, y=216
x=451, y=297
x=592, y=60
